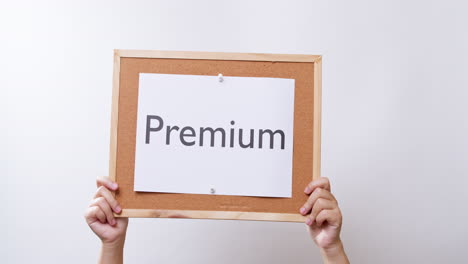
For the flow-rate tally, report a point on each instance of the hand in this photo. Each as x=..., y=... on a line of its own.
x=100, y=218
x=324, y=220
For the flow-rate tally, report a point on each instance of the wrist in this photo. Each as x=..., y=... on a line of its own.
x=332, y=248
x=113, y=245
x=334, y=253
x=111, y=252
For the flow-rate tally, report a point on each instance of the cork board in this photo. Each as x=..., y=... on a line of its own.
x=305, y=69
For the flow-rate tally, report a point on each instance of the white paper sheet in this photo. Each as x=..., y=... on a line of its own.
x=205, y=102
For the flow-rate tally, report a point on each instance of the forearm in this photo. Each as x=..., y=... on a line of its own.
x=334, y=254
x=111, y=254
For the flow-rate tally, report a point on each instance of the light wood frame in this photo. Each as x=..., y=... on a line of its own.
x=316, y=59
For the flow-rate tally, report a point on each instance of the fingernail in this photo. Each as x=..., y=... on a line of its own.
x=303, y=210
x=114, y=185
x=113, y=222
x=117, y=209
x=308, y=221
x=307, y=189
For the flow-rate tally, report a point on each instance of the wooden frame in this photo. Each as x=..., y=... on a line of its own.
x=315, y=59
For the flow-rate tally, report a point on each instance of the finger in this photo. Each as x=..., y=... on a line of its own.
x=317, y=193
x=94, y=213
x=100, y=215
x=320, y=205
x=102, y=191
x=105, y=181
x=321, y=182
x=331, y=216
x=105, y=207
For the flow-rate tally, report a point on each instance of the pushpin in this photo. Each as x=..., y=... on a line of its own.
x=220, y=77
x=212, y=191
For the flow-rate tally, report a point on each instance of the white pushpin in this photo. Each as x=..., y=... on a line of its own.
x=220, y=77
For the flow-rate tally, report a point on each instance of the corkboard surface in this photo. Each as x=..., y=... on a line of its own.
x=302, y=72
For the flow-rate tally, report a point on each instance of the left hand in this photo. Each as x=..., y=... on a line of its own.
x=100, y=214
x=324, y=221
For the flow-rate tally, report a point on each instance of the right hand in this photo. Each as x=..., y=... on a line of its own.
x=324, y=220
x=100, y=214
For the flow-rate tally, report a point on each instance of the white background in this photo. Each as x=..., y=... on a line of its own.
x=203, y=101
x=395, y=128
